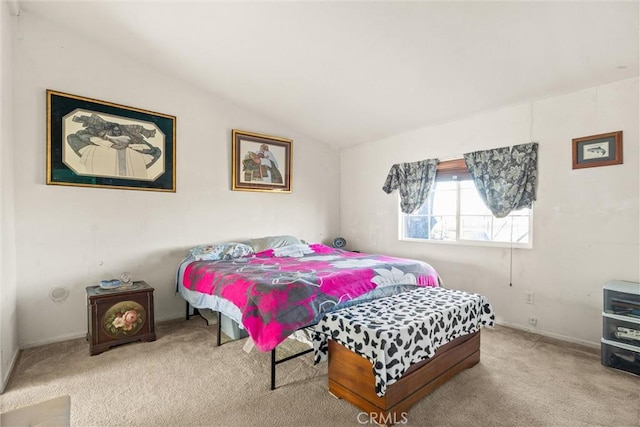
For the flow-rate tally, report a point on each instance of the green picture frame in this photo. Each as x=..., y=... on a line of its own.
x=93, y=143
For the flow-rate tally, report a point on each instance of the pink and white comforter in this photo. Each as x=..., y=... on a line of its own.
x=278, y=295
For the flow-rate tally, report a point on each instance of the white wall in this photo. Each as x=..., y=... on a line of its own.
x=586, y=221
x=71, y=237
x=8, y=323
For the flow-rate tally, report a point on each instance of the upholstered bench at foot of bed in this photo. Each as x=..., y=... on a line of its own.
x=351, y=378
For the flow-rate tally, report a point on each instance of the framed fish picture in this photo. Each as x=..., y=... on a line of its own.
x=597, y=150
x=92, y=143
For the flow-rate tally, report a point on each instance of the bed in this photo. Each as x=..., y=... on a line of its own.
x=276, y=286
x=276, y=291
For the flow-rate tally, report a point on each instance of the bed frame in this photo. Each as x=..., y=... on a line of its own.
x=274, y=360
x=351, y=378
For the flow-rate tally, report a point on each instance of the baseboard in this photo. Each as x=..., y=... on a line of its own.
x=77, y=335
x=549, y=334
x=170, y=318
x=7, y=376
x=61, y=338
x=181, y=317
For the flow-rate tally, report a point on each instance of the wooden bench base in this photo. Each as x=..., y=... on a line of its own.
x=351, y=378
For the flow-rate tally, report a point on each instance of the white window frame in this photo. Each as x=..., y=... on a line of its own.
x=464, y=242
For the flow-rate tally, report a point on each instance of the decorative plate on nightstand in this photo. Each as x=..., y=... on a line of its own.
x=110, y=284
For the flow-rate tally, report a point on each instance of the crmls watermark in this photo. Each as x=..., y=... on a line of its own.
x=382, y=419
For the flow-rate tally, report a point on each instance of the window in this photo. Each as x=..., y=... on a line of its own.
x=455, y=213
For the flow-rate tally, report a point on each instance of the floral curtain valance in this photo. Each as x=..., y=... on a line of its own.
x=413, y=181
x=506, y=178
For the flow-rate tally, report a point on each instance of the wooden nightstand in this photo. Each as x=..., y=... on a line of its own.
x=118, y=316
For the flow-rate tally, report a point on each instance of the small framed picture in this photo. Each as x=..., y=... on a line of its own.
x=597, y=150
x=92, y=143
x=261, y=162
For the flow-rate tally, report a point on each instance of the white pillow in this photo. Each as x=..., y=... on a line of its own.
x=293, y=251
x=272, y=242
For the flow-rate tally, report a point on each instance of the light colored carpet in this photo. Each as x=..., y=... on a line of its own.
x=182, y=379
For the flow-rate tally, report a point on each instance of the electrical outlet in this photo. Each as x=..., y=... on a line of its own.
x=533, y=321
x=529, y=295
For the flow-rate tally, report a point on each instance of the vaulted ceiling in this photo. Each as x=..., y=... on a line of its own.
x=346, y=73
